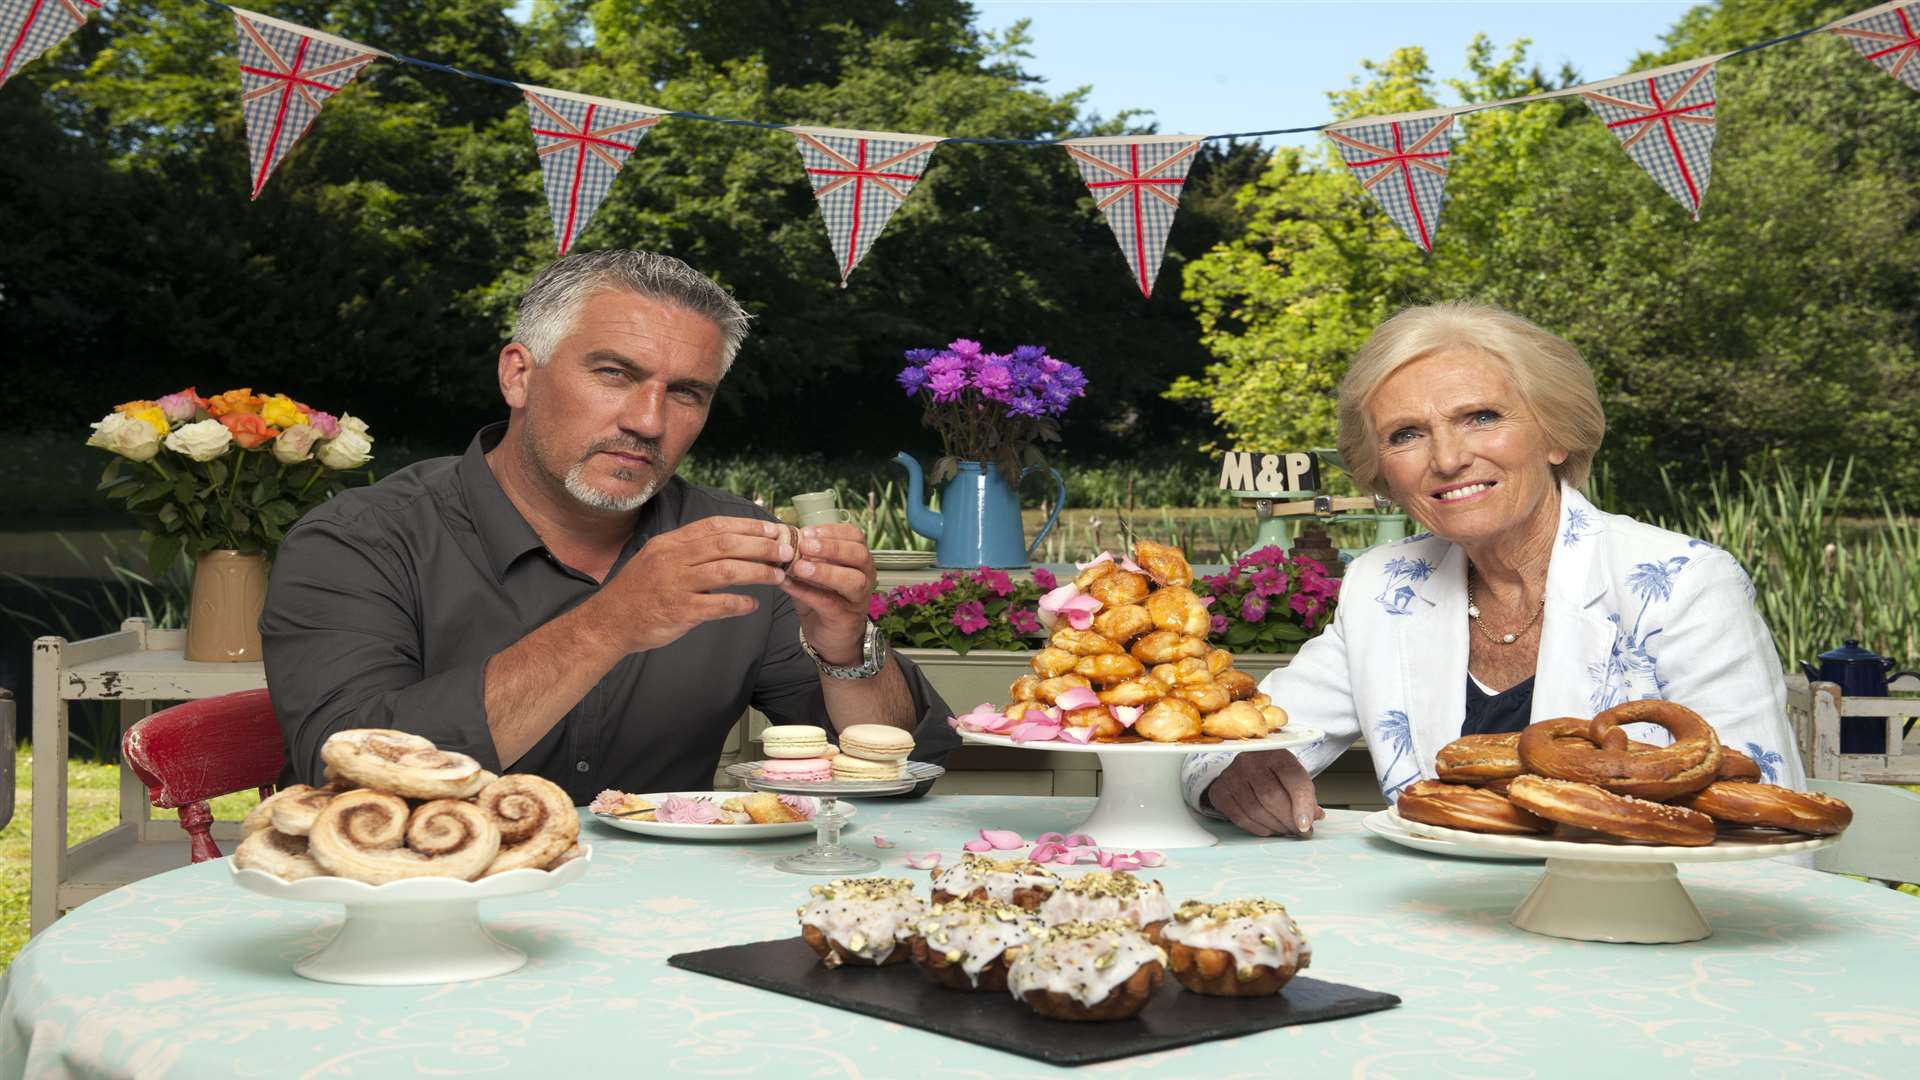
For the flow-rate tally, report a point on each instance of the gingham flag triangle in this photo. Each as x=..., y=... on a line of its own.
x=287, y=73
x=1664, y=120
x=1402, y=162
x=31, y=27
x=583, y=143
x=1136, y=182
x=1889, y=37
x=859, y=179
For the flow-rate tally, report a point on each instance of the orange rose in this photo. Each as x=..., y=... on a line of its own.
x=247, y=428
x=132, y=406
x=243, y=400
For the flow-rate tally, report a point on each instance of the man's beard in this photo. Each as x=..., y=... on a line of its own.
x=575, y=479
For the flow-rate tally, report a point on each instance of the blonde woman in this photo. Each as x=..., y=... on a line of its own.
x=1519, y=602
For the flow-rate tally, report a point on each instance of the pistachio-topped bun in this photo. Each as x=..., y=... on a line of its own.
x=1010, y=881
x=860, y=921
x=1104, y=894
x=968, y=944
x=1239, y=948
x=1102, y=970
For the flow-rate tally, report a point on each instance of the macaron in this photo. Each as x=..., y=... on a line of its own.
x=848, y=767
x=876, y=742
x=796, y=770
x=794, y=741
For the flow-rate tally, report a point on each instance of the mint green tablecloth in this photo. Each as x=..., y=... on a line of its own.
x=186, y=975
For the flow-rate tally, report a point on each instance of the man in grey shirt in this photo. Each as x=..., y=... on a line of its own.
x=556, y=600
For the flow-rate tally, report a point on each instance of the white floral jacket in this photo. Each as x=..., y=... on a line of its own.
x=1632, y=612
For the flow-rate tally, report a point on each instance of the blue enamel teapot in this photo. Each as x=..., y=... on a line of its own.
x=1859, y=673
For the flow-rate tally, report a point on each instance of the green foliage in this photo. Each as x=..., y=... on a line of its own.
x=963, y=611
x=1269, y=601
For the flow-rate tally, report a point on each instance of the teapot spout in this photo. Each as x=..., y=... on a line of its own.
x=922, y=520
x=1813, y=673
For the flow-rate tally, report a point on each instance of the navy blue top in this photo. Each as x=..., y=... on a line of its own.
x=1496, y=714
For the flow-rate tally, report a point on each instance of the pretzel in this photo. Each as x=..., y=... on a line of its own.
x=1737, y=767
x=1476, y=759
x=1586, y=806
x=1457, y=806
x=1602, y=755
x=1771, y=806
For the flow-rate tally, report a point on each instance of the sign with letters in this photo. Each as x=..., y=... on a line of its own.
x=1276, y=474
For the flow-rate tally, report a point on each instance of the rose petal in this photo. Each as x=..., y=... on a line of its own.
x=1126, y=714
x=1048, y=838
x=1078, y=839
x=1082, y=855
x=1080, y=735
x=1127, y=563
x=924, y=862
x=977, y=845
x=1034, y=731
x=1050, y=604
x=1104, y=858
x=881, y=841
x=983, y=717
x=1047, y=852
x=1004, y=839
x=1123, y=862
x=1150, y=858
x=1105, y=556
x=1077, y=698
x=1207, y=601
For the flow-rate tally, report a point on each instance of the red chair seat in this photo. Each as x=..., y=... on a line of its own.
x=197, y=750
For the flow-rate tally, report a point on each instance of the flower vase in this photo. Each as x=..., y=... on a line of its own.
x=978, y=523
x=223, y=616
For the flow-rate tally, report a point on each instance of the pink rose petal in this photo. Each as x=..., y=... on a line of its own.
x=1104, y=858
x=1105, y=556
x=1207, y=601
x=924, y=862
x=1034, y=731
x=1127, y=563
x=1078, y=839
x=1077, y=698
x=881, y=841
x=1003, y=839
x=1050, y=604
x=977, y=845
x=1150, y=858
x=1081, y=735
x=1047, y=852
x=1126, y=714
x=1123, y=862
x=1048, y=838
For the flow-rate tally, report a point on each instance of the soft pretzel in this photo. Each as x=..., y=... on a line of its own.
x=535, y=817
x=1457, y=806
x=1125, y=587
x=1604, y=756
x=360, y=835
x=403, y=764
x=1737, y=767
x=1771, y=806
x=1476, y=759
x=1586, y=806
x=1163, y=562
x=1168, y=647
x=1122, y=624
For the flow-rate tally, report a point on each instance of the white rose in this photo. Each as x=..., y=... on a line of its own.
x=295, y=444
x=347, y=450
x=203, y=441
x=350, y=422
x=132, y=439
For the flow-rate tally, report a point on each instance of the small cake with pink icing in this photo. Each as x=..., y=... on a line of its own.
x=796, y=770
x=1240, y=948
x=1104, y=894
x=1102, y=970
x=862, y=922
x=681, y=810
x=968, y=944
x=1019, y=882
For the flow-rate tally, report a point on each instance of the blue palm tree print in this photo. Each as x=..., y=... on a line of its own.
x=1397, y=730
x=1577, y=520
x=1401, y=601
x=1768, y=761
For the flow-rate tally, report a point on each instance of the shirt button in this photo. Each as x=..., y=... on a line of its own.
x=581, y=765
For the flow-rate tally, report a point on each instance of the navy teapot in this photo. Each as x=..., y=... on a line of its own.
x=1859, y=673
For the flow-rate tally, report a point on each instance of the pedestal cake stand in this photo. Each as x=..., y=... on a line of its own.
x=828, y=855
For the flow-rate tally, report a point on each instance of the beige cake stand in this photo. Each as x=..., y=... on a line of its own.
x=1613, y=892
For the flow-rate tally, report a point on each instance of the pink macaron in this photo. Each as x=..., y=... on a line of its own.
x=796, y=770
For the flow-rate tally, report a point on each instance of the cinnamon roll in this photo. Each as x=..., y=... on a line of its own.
x=536, y=820
x=370, y=836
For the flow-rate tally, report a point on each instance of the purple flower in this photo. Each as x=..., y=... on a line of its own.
x=945, y=363
x=1023, y=621
x=1218, y=624
x=1026, y=405
x=911, y=379
x=1044, y=578
x=1031, y=354
x=996, y=581
x=1253, y=608
x=970, y=617
x=964, y=347
x=943, y=586
x=1306, y=605
x=876, y=606
x=918, y=356
x=1269, y=582
x=947, y=385
x=995, y=382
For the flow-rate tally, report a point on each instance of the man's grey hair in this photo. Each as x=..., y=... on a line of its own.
x=552, y=303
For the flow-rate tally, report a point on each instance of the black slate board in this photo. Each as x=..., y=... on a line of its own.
x=901, y=994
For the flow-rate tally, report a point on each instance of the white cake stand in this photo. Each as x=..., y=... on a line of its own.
x=414, y=931
x=828, y=855
x=1141, y=805
x=1613, y=892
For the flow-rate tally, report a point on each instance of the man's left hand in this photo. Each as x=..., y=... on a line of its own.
x=831, y=582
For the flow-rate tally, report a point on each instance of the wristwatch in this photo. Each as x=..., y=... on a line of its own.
x=873, y=653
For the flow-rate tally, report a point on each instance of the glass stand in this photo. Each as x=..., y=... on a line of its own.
x=828, y=855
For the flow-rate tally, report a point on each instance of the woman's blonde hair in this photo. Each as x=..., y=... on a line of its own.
x=1553, y=382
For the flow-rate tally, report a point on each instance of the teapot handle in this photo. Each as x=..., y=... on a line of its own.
x=1059, y=504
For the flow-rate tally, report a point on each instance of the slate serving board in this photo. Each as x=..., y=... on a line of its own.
x=901, y=994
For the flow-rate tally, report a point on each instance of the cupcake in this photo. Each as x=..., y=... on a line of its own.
x=1240, y=948
x=968, y=944
x=1102, y=894
x=1103, y=970
x=1009, y=881
x=860, y=921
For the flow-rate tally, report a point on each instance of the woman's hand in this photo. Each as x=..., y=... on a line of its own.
x=1267, y=793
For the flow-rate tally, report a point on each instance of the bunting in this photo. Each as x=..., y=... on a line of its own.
x=1664, y=120
x=287, y=73
x=1136, y=182
x=31, y=27
x=859, y=179
x=583, y=143
x=1889, y=37
x=1402, y=162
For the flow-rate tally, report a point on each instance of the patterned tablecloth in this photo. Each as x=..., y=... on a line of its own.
x=187, y=975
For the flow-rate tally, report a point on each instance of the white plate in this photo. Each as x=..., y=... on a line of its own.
x=1384, y=824
x=902, y=560
x=1290, y=736
x=1483, y=845
x=736, y=833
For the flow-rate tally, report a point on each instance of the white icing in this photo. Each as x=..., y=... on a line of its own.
x=1074, y=965
x=1246, y=939
x=1001, y=877
x=1103, y=895
x=981, y=932
x=850, y=910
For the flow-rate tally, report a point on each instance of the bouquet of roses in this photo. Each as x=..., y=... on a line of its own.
x=990, y=407
x=1268, y=601
x=231, y=471
x=983, y=609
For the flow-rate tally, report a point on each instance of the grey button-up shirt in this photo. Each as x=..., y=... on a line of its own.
x=386, y=602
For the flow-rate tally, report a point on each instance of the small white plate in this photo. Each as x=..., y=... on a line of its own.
x=735, y=833
x=1385, y=825
x=886, y=559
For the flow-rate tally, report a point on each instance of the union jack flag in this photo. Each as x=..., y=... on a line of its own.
x=859, y=179
x=582, y=142
x=1664, y=120
x=31, y=27
x=1136, y=182
x=1402, y=163
x=287, y=73
x=1889, y=36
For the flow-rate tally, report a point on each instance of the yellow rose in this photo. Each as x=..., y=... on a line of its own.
x=280, y=411
x=153, y=416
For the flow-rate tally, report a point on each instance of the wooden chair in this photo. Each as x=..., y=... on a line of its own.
x=196, y=750
x=1817, y=709
x=1879, y=844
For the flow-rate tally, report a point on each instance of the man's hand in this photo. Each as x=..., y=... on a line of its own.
x=671, y=584
x=831, y=584
x=1267, y=793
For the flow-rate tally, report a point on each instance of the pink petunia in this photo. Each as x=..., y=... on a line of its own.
x=1044, y=578
x=876, y=606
